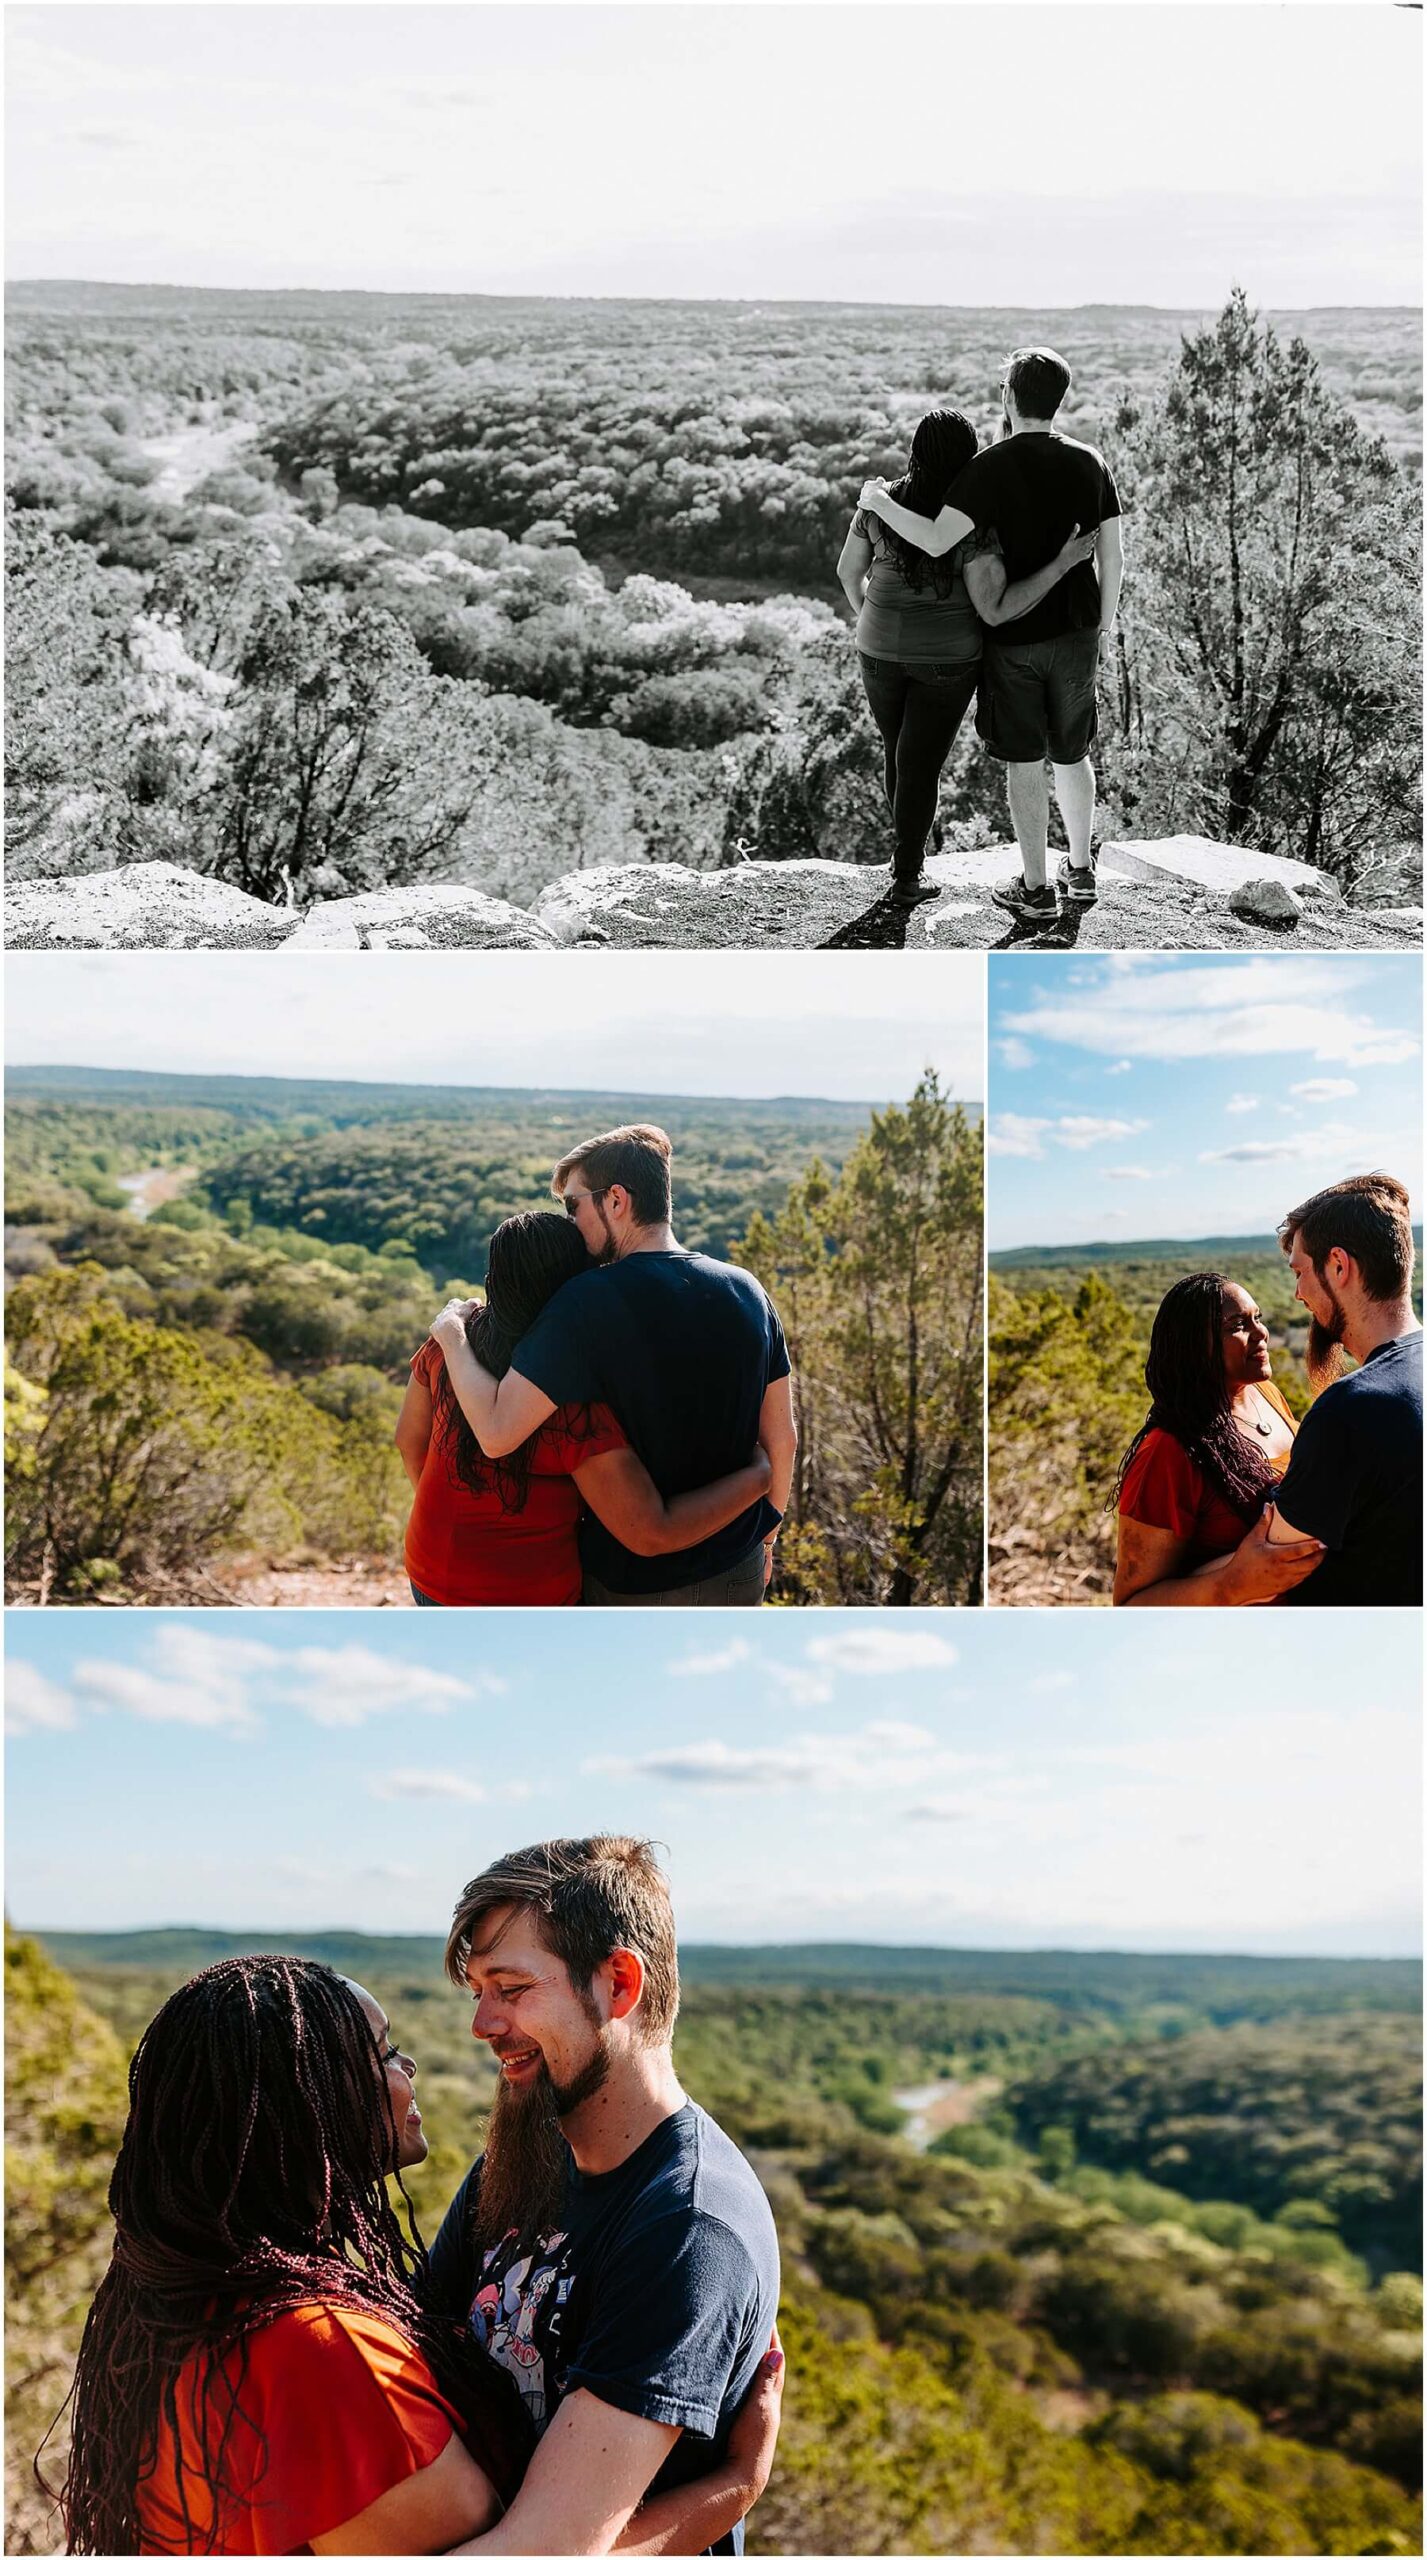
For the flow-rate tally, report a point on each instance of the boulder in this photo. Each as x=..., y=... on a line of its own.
x=1218, y=869
x=145, y=906
x=794, y=905
x=446, y=917
x=1261, y=901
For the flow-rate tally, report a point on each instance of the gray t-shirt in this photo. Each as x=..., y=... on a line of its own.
x=915, y=625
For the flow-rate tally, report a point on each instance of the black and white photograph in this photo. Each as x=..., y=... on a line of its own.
x=715, y=476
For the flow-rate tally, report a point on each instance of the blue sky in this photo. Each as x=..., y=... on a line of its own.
x=1164, y=1096
x=1015, y=1780
x=876, y=153
x=846, y=1025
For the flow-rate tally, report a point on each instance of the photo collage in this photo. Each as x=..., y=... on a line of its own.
x=713, y=904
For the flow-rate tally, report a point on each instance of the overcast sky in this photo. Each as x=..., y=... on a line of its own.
x=1015, y=154
x=854, y=1026
x=1143, y=1097
x=1054, y=1779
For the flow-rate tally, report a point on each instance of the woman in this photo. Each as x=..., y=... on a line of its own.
x=257, y=2372
x=1195, y=1479
x=919, y=635
x=493, y=1532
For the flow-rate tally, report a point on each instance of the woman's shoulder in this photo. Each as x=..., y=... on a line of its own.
x=574, y=1433
x=1274, y=1395
x=312, y=2335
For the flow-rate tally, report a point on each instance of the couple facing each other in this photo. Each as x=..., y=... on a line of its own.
x=585, y=2360
x=995, y=574
x=614, y=1424
x=1221, y=1501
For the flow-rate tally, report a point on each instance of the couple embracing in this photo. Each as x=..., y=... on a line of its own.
x=995, y=574
x=586, y=2359
x=613, y=1424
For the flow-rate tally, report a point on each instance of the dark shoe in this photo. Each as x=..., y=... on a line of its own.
x=913, y=893
x=1035, y=906
x=1076, y=882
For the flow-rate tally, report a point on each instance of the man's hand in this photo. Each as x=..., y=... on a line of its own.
x=753, y=2437
x=1260, y=1570
x=870, y=492
x=448, y=1331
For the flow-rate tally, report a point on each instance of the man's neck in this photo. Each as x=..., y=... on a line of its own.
x=641, y=2093
x=1033, y=426
x=1378, y=1321
x=648, y=1240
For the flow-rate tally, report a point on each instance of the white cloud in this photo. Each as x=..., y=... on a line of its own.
x=1324, y=1089
x=1130, y=1173
x=221, y=1682
x=875, y=1759
x=344, y=1685
x=34, y=1704
x=1251, y=1007
x=1121, y=1067
x=424, y=1786
x=1239, y=1102
x=698, y=1665
x=883, y=1651
x=1010, y=1134
x=801, y=1688
x=1081, y=1130
x=1015, y=1053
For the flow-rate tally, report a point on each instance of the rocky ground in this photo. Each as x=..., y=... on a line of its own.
x=1184, y=896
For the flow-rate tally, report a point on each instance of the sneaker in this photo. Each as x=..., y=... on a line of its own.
x=1076, y=882
x=1036, y=906
x=913, y=893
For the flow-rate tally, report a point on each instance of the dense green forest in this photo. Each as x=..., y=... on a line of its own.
x=1067, y=1333
x=299, y=583
x=1009, y=2328
x=215, y=1288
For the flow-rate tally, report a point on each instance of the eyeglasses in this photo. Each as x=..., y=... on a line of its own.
x=574, y=1200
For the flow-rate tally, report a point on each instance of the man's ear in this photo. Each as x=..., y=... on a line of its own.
x=1340, y=1267
x=624, y=1970
x=618, y=1199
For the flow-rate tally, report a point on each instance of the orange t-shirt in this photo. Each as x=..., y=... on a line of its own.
x=339, y=2407
x=465, y=1552
x=1164, y=1489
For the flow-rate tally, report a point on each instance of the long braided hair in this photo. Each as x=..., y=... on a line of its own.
x=252, y=2177
x=941, y=448
x=1190, y=1395
x=531, y=1256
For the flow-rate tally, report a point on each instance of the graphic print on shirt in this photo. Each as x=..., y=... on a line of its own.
x=518, y=2317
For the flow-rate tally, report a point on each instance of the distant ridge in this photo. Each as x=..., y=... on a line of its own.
x=1139, y=1249
x=139, y=1084
x=42, y=293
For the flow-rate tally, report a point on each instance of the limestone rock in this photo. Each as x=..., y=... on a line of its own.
x=1261, y=901
x=445, y=917
x=144, y=906
x=757, y=905
x=1217, y=868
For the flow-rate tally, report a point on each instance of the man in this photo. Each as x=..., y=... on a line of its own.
x=1355, y=1477
x=688, y=1352
x=1036, y=697
x=612, y=2249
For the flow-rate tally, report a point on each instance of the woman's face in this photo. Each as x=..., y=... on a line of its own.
x=400, y=2073
x=1245, y=1337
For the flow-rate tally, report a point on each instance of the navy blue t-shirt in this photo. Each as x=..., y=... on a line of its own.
x=658, y=2295
x=1355, y=1481
x=681, y=1348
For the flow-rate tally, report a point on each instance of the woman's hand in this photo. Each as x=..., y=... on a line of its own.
x=449, y=1329
x=753, y=2437
x=1077, y=548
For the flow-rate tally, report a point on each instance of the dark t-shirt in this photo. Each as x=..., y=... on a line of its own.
x=1355, y=1481
x=681, y=1349
x=658, y=2295
x=1032, y=490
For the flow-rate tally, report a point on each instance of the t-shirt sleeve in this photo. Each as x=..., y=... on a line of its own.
x=1320, y=1489
x=555, y=1355
x=778, y=1365
x=346, y=2408
x=973, y=492
x=1109, y=494
x=426, y=1363
x=669, y=2322
x=1163, y=1487
x=570, y=1441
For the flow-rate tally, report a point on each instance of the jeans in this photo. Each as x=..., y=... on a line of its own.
x=421, y=1600
x=739, y=1587
x=918, y=711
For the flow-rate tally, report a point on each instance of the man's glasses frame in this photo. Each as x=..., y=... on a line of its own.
x=573, y=1199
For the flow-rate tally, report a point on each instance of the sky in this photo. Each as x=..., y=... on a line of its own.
x=843, y=1025
x=1019, y=154
x=1015, y=1780
x=1142, y=1096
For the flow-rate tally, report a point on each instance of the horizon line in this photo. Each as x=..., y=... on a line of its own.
x=809, y=1946
x=180, y=1075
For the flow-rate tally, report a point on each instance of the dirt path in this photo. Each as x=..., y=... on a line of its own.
x=187, y=454
x=941, y=2104
x=256, y=1582
x=159, y=1182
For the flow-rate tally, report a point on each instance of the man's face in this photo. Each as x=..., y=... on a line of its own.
x=399, y=2072
x=589, y=1211
x=1328, y=1319
x=551, y=2041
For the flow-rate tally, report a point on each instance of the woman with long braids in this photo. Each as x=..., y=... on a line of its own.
x=500, y=1532
x=919, y=635
x=258, y=2372
x=1195, y=1483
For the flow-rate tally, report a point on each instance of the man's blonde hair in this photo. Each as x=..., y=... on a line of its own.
x=589, y=1897
x=639, y=1157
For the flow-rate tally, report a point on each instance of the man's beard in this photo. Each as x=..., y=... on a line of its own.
x=526, y=2161
x=609, y=1250
x=1323, y=1352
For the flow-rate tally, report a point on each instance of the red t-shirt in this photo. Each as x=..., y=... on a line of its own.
x=340, y=2408
x=1164, y=1489
x=465, y=1552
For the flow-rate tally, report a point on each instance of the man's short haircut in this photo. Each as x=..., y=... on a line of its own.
x=589, y=1897
x=1369, y=1217
x=639, y=1157
x=1038, y=380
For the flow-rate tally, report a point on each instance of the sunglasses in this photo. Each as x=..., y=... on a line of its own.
x=573, y=1200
